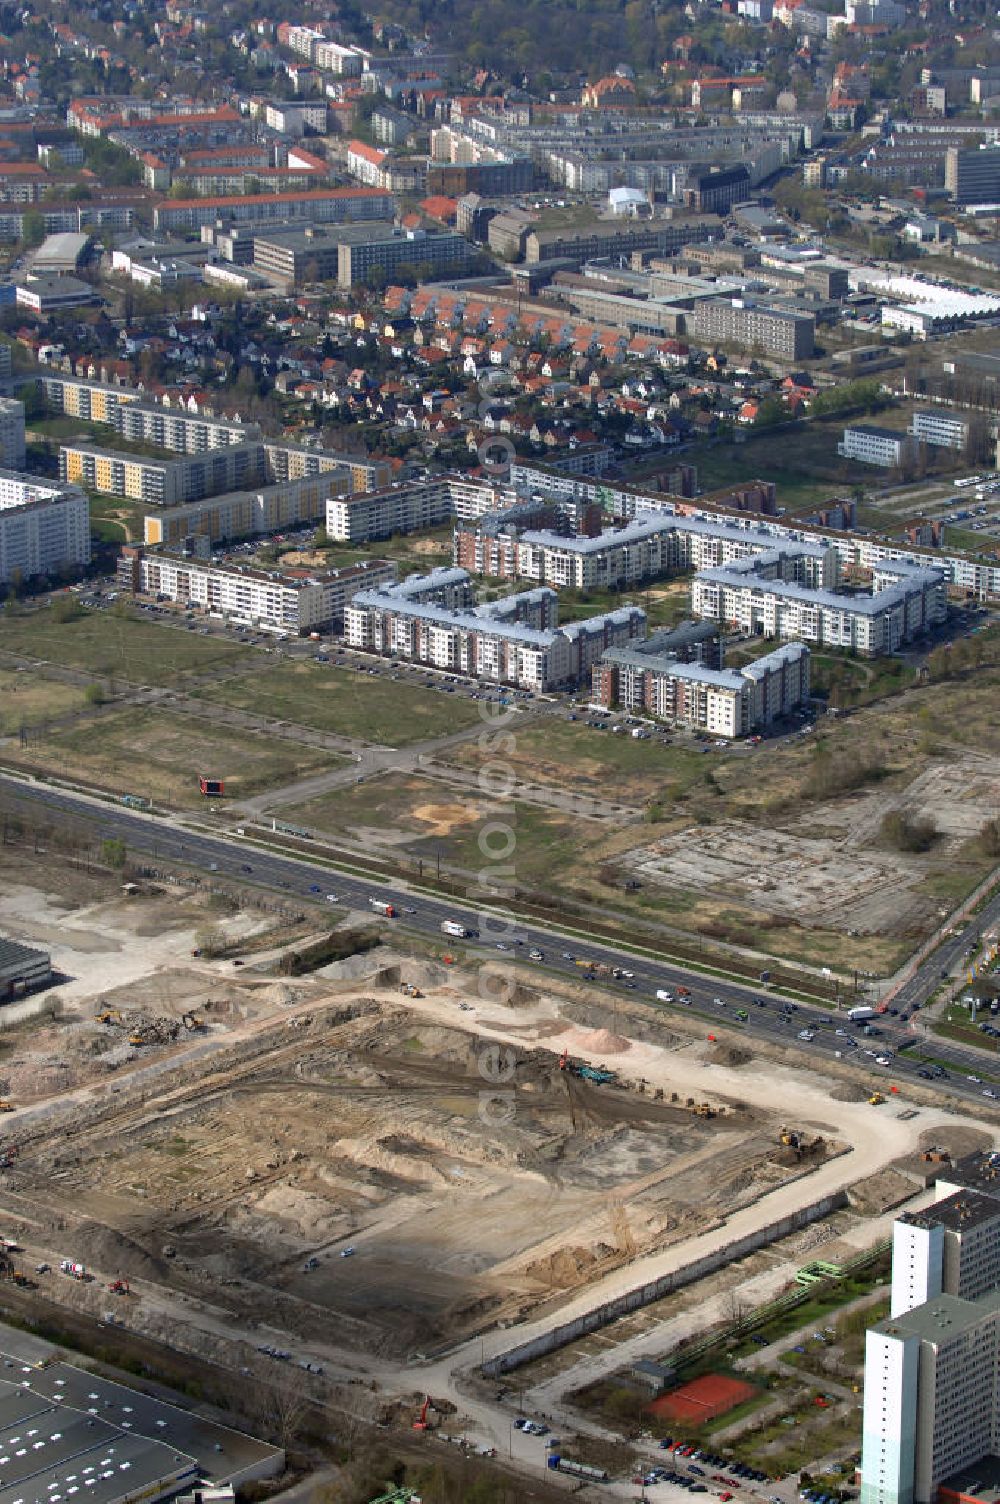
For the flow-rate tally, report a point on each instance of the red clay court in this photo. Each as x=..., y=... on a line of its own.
x=703, y=1399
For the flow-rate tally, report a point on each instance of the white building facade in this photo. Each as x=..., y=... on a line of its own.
x=44, y=527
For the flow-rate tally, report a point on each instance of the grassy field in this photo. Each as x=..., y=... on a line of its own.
x=389, y=713
x=115, y=519
x=26, y=700
x=108, y=645
x=59, y=426
x=600, y=763
x=665, y=604
x=424, y=819
x=412, y=554
x=160, y=756
x=802, y=461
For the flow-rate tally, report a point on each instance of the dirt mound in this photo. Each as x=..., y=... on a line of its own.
x=563, y=1268
x=115, y=1253
x=849, y=1091
x=956, y=1139
x=879, y=1193
x=501, y=987
x=280, y=995
x=604, y=1041
x=728, y=1054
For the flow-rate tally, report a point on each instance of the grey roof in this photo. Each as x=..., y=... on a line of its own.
x=633, y=532
x=695, y=673
x=788, y=652
x=479, y=620
x=50, y=1450
x=860, y=605
x=959, y=1212
x=136, y=1418
x=619, y=617
x=650, y=524
x=497, y=610
x=668, y=639
x=46, y=283
x=416, y=585
x=938, y=1320
x=14, y=954
x=872, y=430
x=467, y=620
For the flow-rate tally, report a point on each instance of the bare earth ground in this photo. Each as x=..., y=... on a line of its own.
x=327, y=1112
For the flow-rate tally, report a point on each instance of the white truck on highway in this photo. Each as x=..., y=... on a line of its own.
x=452, y=927
x=861, y=1015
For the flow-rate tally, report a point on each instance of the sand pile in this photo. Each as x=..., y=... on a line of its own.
x=603, y=1041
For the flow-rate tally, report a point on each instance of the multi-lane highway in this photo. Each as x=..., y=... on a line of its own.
x=714, y=1002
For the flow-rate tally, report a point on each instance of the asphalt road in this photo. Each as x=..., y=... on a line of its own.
x=712, y=1001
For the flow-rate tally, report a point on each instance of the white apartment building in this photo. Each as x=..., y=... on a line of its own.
x=331, y=57
x=942, y=430
x=44, y=527
x=652, y=544
x=187, y=433
x=499, y=643
x=11, y=433
x=408, y=507
x=753, y=596
x=980, y=576
x=724, y=702
x=951, y=1248
x=292, y=118
x=273, y=600
x=872, y=445
x=932, y=1405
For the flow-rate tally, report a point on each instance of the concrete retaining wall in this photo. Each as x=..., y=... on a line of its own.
x=644, y=1295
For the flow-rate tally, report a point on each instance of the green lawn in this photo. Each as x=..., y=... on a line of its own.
x=426, y=820
x=665, y=603
x=414, y=555
x=616, y=767
x=160, y=756
x=116, y=519
x=390, y=713
x=802, y=461
x=27, y=700
x=58, y=426
x=119, y=646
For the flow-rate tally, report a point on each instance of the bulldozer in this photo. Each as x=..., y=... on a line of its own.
x=192, y=1022
x=5, y=1105
x=876, y=1099
x=703, y=1110
x=789, y=1138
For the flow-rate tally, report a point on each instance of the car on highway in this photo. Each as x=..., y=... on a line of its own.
x=332, y=898
x=976, y=1080
x=315, y=888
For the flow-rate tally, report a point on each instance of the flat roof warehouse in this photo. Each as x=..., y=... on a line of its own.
x=70, y=1437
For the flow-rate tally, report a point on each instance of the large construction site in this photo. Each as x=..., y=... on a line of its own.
x=339, y=1141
